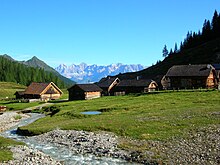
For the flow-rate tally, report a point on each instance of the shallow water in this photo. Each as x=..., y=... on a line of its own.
x=91, y=113
x=58, y=153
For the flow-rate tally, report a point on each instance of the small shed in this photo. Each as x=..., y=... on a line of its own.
x=19, y=94
x=190, y=76
x=43, y=91
x=135, y=86
x=107, y=84
x=84, y=92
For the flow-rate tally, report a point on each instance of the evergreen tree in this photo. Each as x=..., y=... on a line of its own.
x=175, y=48
x=206, y=30
x=11, y=71
x=165, y=51
x=216, y=24
x=171, y=51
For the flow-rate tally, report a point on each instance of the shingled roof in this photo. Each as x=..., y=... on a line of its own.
x=135, y=83
x=106, y=82
x=88, y=87
x=38, y=88
x=202, y=70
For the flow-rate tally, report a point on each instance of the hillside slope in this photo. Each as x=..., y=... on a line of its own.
x=9, y=88
x=37, y=63
x=208, y=53
x=15, y=71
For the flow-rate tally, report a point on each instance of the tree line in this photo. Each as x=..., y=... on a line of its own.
x=210, y=31
x=11, y=71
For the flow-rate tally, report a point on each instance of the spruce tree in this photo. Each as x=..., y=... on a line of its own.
x=165, y=51
x=216, y=24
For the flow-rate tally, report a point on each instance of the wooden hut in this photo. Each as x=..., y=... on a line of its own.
x=107, y=84
x=190, y=76
x=42, y=91
x=84, y=92
x=135, y=86
x=217, y=69
x=19, y=94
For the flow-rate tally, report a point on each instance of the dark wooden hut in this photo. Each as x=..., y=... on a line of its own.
x=19, y=94
x=107, y=84
x=84, y=92
x=190, y=76
x=135, y=86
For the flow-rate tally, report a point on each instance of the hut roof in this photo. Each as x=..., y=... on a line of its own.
x=202, y=70
x=216, y=66
x=135, y=83
x=106, y=82
x=88, y=87
x=39, y=88
x=19, y=93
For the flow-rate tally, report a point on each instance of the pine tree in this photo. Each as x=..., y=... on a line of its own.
x=165, y=51
x=206, y=31
x=175, y=48
x=216, y=24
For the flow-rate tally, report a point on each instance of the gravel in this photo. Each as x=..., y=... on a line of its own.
x=200, y=147
x=83, y=142
x=8, y=120
x=24, y=155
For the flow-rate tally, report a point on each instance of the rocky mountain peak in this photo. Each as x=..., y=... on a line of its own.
x=84, y=73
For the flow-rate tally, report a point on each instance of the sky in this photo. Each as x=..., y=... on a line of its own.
x=99, y=32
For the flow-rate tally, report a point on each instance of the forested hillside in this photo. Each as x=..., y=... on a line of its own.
x=12, y=71
x=37, y=63
x=202, y=47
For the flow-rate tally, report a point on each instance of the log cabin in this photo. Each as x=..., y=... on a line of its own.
x=84, y=92
x=135, y=86
x=107, y=84
x=42, y=91
x=190, y=76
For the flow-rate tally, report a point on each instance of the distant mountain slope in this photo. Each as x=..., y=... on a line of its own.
x=25, y=73
x=207, y=53
x=202, y=47
x=84, y=73
x=37, y=63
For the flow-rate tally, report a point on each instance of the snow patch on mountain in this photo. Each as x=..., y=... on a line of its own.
x=84, y=73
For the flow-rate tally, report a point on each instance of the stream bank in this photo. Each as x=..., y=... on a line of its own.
x=50, y=149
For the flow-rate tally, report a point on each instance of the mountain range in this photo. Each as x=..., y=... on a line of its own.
x=34, y=62
x=84, y=73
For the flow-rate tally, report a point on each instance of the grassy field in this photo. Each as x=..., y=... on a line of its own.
x=9, y=88
x=158, y=116
x=5, y=153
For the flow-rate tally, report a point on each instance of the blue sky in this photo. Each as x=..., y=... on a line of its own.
x=98, y=31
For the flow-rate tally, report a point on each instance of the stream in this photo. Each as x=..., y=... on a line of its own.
x=58, y=153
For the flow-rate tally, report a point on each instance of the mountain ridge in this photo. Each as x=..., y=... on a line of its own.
x=84, y=73
x=207, y=53
x=37, y=63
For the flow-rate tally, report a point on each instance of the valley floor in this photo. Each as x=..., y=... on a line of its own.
x=187, y=124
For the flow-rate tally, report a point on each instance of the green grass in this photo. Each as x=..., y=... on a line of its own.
x=5, y=153
x=65, y=94
x=15, y=105
x=9, y=88
x=158, y=116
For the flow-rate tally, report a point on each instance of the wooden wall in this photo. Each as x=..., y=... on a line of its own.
x=92, y=95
